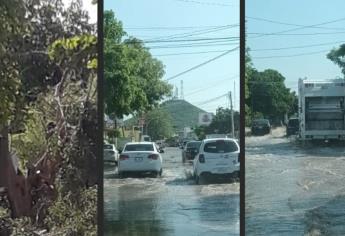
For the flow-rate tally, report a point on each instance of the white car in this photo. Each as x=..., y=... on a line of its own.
x=140, y=157
x=110, y=153
x=217, y=156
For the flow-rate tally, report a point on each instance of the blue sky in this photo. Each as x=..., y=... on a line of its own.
x=141, y=19
x=314, y=66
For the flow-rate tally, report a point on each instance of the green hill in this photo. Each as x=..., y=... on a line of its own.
x=183, y=114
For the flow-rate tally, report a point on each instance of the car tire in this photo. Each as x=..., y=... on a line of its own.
x=121, y=175
x=197, y=180
x=155, y=174
x=160, y=172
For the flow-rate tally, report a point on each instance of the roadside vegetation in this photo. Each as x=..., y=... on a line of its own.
x=48, y=119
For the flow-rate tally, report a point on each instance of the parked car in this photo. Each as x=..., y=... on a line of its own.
x=292, y=126
x=218, y=156
x=110, y=153
x=261, y=127
x=140, y=157
x=190, y=150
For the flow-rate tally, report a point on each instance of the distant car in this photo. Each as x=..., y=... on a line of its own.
x=292, y=127
x=111, y=155
x=161, y=144
x=190, y=150
x=218, y=156
x=261, y=127
x=140, y=157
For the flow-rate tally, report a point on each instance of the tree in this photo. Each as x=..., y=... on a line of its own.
x=338, y=57
x=158, y=124
x=48, y=62
x=221, y=122
x=132, y=76
x=268, y=95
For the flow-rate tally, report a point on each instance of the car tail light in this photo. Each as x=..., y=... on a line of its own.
x=201, y=158
x=239, y=157
x=123, y=157
x=153, y=156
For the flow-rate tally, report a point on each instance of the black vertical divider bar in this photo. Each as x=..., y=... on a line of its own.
x=100, y=107
x=242, y=117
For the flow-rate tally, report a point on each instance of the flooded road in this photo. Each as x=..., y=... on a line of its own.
x=294, y=189
x=169, y=205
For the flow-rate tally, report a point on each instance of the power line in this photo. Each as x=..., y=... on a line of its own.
x=192, y=45
x=191, y=40
x=174, y=27
x=212, y=99
x=204, y=63
x=299, y=28
x=207, y=3
x=211, y=86
x=293, y=55
x=293, y=47
x=295, y=34
x=188, y=53
x=285, y=23
x=197, y=32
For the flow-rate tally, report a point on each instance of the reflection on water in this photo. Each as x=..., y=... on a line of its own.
x=132, y=214
x=294, y=189
x=171, y=205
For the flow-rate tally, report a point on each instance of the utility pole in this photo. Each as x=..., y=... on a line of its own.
x=232, y=117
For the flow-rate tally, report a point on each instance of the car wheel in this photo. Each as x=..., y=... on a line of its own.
x=121, y=175
x=197, y=179
x=155, y=174
x=161, y=172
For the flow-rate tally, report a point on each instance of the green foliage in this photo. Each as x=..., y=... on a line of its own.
x=183, y=114
x=71, y=216
x=200, y=132
x=31, y=144
x=269, y=96
x=52, y=44
x=222, y=122
x=132, y=76
x=338, y=57
x=12, y=25
x=159, y=124
x=71, y=47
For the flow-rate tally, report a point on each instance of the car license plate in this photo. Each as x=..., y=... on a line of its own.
x=138, y=159
x=220, y=170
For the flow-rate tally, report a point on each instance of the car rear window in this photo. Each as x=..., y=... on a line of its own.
x=139, y=147
x=220, y=146
x=193, y=145
x=108, y=146
x=260, y=122
x=293, y=122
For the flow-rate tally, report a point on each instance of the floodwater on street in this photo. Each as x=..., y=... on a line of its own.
x=169, y=205
x=294, y=189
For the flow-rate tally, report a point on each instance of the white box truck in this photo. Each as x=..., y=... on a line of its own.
x=321, y=109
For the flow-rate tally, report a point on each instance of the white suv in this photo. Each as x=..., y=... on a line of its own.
x=217, y=156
